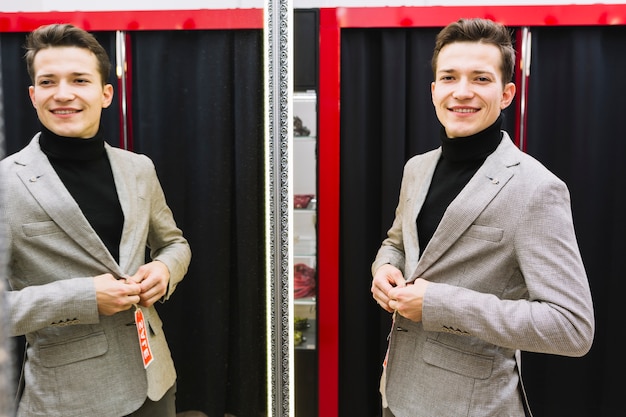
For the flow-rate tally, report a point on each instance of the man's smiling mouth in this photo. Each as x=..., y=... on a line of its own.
x=64, y=111
x=464, y=110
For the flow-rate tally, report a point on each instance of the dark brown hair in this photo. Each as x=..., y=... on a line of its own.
x=63, y=35
x=482, y=31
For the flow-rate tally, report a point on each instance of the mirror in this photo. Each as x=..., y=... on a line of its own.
x=278, y=194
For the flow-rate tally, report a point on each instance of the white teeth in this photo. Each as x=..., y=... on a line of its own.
x=64, y=111
x=464, y=110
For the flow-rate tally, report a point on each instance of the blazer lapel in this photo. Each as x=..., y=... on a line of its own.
x=42, y=181
x=421, y=180
x=490, y=178
x=126, y=184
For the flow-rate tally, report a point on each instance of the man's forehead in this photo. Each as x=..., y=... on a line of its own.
x=83, y=60
x=464, y=54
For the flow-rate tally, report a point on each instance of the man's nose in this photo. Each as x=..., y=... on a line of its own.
x=463, y=89
x=64, y=91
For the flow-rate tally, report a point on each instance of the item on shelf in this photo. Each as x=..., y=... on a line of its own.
x=298, y=128
x=304, y=281
x=302, y=201
x=300, y=323
x=298, y=338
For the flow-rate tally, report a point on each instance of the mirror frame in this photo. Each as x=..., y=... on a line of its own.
x=279, y=211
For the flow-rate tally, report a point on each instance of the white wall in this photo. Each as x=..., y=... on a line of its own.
x=96, y=5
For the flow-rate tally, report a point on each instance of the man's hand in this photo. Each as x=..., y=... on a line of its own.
x=153, y=278
x=115, y=295
x=409, y=300
x=385, y=279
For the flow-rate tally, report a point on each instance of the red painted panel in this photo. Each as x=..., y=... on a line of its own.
x=439, y=16
x=137, y=19
x=328, y=216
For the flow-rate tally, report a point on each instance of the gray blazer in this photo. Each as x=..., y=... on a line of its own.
x=80, y=363
x=506, y=275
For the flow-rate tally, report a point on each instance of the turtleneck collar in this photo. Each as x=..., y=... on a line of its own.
x=473, y=147
x=77, y=149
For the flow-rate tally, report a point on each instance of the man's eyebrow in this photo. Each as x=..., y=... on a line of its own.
x=74, y=74
x=82, y=74
x=474, y=72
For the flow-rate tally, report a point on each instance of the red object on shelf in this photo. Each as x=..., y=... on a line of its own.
x=301, y=201
x=304, y=284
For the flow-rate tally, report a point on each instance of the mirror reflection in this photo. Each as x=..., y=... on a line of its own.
x=193, y=103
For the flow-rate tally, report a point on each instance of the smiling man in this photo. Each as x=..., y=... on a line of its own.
x=80, y=216
x=481, y=261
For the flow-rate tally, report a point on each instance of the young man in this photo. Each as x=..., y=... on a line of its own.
x=481, y=261
x=80, y=215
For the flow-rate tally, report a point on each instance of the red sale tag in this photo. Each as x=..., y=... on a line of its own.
x=144, y=344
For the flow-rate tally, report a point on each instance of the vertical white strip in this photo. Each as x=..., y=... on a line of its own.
x=120, y=72
x=278, y=17
x=525, y=72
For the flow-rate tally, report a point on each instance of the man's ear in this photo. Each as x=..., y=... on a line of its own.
x=31, y=94
x=107, y=95
x=507, y=95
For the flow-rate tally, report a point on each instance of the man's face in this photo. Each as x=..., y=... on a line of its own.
x=468, y=92
x=68, y=93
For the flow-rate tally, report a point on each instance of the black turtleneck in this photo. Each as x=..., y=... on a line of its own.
x=459, y=161
x=84, y=169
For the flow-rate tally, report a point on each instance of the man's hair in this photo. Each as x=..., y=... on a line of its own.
x=482, y=31
x=65, y=35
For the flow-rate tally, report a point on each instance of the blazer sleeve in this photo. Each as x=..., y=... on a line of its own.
x=60, y=303
x=552, y=312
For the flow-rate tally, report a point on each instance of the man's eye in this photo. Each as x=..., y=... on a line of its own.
x=81, y=81
x=45, y=82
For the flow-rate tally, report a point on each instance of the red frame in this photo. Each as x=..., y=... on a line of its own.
x=332, y=20
x=137, y=19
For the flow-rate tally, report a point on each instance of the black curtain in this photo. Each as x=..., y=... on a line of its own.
x=575, y=128
x=198, y=113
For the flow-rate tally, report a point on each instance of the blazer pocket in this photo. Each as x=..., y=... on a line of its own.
x=458, y=361
x=491, y=234
x=79, y=349
x=40, y=228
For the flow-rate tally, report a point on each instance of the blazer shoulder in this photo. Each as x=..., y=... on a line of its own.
x=125, y=156
x=25, y=155
x=525, y=165
x=423, y=158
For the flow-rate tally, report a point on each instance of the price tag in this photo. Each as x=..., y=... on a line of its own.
x=144, y=344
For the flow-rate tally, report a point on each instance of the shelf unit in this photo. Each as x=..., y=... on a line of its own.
x=305, y=251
